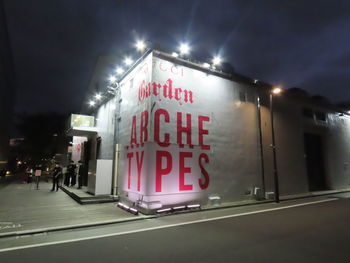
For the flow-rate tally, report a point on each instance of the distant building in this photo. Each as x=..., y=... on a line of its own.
x=7, y=86
x=176, y=134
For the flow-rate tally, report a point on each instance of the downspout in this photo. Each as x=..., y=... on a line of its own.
x=261, y=146
x=115, y=142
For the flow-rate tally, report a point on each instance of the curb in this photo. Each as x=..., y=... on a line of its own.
x=61, y=228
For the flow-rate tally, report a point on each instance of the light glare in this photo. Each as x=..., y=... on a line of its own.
x=119, y=70
x=184, y=49
x=92, y=103
x=98, y=96
x=128, y=61
x=206, y=65
x=163, y=210
x=140, y=45
x=217, y=60
x=276, y=90
x=194, y=206
x=112, y=79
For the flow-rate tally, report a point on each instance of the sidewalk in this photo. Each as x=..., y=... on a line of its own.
x=24, y=209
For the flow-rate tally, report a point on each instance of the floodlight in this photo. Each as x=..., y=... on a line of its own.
x=184, y=49
x=140, y=45
x=128, y=61
x=119, y=70
x=98, y=96
x=206, y=65
x=112, y=79
x=217, y=60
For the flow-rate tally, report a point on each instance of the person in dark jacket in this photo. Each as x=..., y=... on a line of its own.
x=57, y=174
x=81, y=173
x=71, y=173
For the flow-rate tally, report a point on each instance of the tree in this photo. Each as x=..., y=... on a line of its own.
x=44, y=136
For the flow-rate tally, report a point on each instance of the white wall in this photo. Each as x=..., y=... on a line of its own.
x=233, y=165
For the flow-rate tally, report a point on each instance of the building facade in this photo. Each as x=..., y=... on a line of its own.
x=175, y=133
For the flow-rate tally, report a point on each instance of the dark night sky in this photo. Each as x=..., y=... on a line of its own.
x=293, y=43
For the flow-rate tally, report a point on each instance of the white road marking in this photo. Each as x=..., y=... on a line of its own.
x=166, y=226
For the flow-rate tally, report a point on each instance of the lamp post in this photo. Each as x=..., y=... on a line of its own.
x=274, y=91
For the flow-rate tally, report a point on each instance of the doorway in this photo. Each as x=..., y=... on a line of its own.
x=86, y=159
x=313, y=149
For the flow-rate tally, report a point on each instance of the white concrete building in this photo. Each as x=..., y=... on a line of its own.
x=175, y=133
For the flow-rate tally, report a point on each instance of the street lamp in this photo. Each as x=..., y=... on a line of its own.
x=274, y=91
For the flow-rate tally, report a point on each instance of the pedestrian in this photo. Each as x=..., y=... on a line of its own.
x=26, y=174
x=2, y=173
x=30, y=175
x=81, y=174
x=66, y=176
x=57, y=174
x=71, y=173
x=37, y=175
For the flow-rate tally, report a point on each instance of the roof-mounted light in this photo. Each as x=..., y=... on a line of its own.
x=217, y=60
x=112, y=79
x=119, y=70
x=128, y=61
x=184, y=49
x=98, y=96
x=140, y=45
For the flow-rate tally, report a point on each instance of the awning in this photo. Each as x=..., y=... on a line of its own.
x=82, y=131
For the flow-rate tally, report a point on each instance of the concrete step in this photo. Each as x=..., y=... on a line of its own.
x=85, y=200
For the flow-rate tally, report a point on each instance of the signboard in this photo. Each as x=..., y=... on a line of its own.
x=186, y=136
x=77, y=148
x=78, y=120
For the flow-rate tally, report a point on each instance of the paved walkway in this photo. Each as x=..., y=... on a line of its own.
x=23, y=208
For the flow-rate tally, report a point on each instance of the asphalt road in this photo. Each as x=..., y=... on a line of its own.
x=318, y=232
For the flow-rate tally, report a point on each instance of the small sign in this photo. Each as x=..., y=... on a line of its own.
x=37, y=173
x=78, y=120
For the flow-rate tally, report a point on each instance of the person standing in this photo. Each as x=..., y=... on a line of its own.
x=30, y=175
x=57, y=174
x=71, y=173
x=66, y=175
x=37, y=175
x=81, y=174
x=27, y=173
